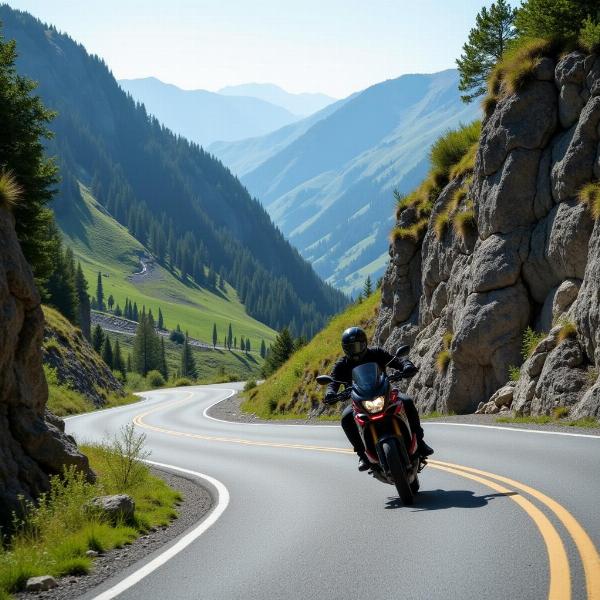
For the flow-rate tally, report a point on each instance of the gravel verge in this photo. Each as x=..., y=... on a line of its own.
x=230, y=410
x=196, y=503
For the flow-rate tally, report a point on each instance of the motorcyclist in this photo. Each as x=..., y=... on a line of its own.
x=357, y=352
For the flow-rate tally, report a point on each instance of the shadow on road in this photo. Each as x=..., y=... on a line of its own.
x=442, y=499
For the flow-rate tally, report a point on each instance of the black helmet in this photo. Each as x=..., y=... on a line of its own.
x=354, y=343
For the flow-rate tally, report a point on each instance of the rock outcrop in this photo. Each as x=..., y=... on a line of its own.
x=531, y=258
x=33, y=444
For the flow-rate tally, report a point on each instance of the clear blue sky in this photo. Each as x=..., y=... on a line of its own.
x=331, y=46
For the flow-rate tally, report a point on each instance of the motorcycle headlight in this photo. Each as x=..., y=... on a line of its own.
x=374, y=406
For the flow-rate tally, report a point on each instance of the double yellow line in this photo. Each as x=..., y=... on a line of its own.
x=559, y=587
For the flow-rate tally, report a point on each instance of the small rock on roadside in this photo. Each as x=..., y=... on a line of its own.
x=117, y=507
x=40, y=584
x=91, y=554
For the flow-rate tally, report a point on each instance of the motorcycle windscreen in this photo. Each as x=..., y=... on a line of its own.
x=368, y=380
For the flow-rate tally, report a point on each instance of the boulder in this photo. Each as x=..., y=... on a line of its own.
x=42, y=583
x=116, y=508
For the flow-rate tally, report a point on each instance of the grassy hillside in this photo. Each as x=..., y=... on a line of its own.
x=292, y=391
x=213, y=365
x=103, y=245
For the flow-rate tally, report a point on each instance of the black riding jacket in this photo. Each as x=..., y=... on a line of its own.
x=342, y=370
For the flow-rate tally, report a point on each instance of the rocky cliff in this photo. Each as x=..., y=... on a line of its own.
x=33, y=444
x=510, y=245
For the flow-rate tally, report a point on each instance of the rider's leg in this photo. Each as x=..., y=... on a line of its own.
x=351, y=430
x=415, y=424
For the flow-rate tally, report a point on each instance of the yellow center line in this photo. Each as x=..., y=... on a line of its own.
x=589, y=555
x=560, y=576
x=559, y=587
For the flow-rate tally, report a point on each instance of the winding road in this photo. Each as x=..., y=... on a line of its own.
x=503, y=513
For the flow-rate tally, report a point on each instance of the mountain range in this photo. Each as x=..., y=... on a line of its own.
x=180, y=203
x=327, y=181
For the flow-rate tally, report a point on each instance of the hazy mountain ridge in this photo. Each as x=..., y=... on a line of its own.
x=303, y=104
x=204, y=117
x=330, y=188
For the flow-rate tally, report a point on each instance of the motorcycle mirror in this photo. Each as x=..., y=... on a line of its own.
x=324, y=379
x=403, y=350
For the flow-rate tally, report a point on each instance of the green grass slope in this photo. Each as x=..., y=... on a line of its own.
x=292, y=391
x=103, y=245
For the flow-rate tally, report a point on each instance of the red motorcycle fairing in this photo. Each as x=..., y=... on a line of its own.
x=394, y=407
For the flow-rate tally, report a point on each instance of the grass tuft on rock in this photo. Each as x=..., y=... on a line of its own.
x=10, y=191
x=531, y=340
x=464, y=222
x=450, y=149
x=568, y=331
x=440, y=225
x=442, y=360
x=412, y=232
x=589, y=195
x=466, y=164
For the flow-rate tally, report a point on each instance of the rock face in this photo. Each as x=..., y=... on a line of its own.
x=531, y=260
x=32, y=442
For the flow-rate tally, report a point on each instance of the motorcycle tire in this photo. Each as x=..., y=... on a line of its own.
x=398, y=472
x=415, y=485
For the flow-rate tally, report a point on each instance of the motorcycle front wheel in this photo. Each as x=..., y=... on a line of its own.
x=398, y=472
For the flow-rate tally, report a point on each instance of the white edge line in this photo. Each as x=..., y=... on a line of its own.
x=517, y=429
x=182, y=543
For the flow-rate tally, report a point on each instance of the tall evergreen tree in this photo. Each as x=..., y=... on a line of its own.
x=242, y=345
x=281, y=349
x=164, y=369
x=146, y=346
x=493, y=31
x=118, y=363
x=188, y=363
x=110, y=302
x=135, y=315
x=24, y=127
x=100, y=292
x=263, y=349
x=83, y=301
x=368, y=287
x=229, y=337
x=107, y=353
x=248, y=346
x=161, y=321
x=98, y=339
x=214, y=335
x=60, y=286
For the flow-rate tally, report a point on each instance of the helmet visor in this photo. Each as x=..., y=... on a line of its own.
x=354, y=348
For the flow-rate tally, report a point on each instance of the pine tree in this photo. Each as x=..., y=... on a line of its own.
x=100, y=293
x=83, y=301
x=242, y=345
x=235, y=342
x=111, y=302
x=129, y=363
x=188, y=363
x=161, y=321
x=118, y=311
x=368, y=287
x=263, y=349
x=118, y=364
x=281, y=349
x=98, y=339
x=248, y=347
x=214, y=335
x=135, y=315
x=229, y=337
x=493, y=31
x=146, y=346
x=164, y=369
x=60, y=286
x=107, y=353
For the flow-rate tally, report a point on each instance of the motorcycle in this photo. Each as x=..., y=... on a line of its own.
x=390, y=445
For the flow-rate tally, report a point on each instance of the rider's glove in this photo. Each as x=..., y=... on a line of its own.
x=329, y=398
x=409, y=368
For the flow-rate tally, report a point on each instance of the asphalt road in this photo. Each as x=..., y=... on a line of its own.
x=303, y=523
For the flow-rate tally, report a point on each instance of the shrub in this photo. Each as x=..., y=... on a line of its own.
x=183, y=381
x=177, y=336
x=590, y=196
x=123, y=456
x=443, y=360
x=514, y=373
x=560, y=412
x=10, y=190
x=135, y=382
x=451, y=147
x=155, y=379
x=249, y=385
x=568, y=330
x=531, y=339
x=589, y=36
